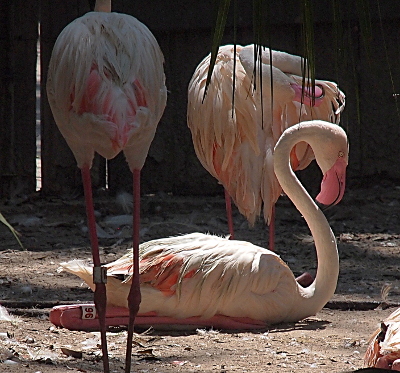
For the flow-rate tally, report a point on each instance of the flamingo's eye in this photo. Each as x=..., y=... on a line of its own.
x=341, y=154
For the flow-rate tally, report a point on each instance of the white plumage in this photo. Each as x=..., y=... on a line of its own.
x=198, y=275
x=203, y=275
x=235, y=143
x=106, y=89
x=384, y=345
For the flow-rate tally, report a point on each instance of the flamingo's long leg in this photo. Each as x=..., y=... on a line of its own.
x=134, y=296
x=228, y=206
x=271, y=230
x=99, y=273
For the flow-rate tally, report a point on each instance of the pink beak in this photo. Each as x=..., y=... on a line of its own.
x=333, y=184
x=307, y=96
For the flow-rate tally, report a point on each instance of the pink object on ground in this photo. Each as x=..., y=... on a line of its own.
x=83, y=317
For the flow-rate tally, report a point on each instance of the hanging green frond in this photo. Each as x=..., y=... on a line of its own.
x=364, y=17
x=13, y=231
x=395, y=95
x=259, y=35
x=260, y=22
x=357, y=127
x=261, y=26
x=308, y=44
x=220, y=23
x=338, y=41
x=235, y=23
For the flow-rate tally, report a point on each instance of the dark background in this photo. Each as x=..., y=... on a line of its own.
x=366, y=67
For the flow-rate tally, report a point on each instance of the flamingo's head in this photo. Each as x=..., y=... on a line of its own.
x=332, y=158
x=311, y=96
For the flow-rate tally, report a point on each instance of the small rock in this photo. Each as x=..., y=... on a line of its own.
x=10, y=362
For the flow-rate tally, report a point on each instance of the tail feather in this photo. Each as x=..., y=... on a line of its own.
x=81, y=269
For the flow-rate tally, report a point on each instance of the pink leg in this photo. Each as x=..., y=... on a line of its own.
x=99, y=275
x=271, y=230
x=70, y=317
x=134, y=296
x=228, y=206
x=305, y=279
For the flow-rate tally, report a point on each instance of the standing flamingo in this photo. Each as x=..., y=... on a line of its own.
x=234, y=141
x=384, y=345
x=106, y=89
x=199, y=279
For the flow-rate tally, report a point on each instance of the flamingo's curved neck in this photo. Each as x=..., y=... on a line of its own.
x=103, y=6
x=324, y=285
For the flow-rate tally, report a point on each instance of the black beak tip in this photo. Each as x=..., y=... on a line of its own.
x=321, y=206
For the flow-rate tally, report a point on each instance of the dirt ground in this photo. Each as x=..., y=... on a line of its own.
x=53, y=230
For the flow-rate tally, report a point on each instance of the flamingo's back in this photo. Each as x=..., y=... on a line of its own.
x=235, y=142
x=106, y=87
x=202, y=275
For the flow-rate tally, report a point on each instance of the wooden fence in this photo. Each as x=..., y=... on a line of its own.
x=368, y=71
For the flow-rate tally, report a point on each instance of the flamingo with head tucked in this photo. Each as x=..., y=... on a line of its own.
x=234, y=140
x=106, y=89
x=200, y=279
x=383, y=350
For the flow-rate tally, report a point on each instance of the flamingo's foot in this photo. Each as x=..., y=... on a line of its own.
x=387, y=362
x=83, y=317
x=305, y=279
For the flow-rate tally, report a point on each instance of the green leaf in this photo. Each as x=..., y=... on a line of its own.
x=13, y=231
x=364, y=17
x=218, y=33
x=388, y=62
x=308, y=44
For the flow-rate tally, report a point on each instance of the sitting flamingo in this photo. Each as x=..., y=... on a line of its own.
x=200, y=279
x=384, y=345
